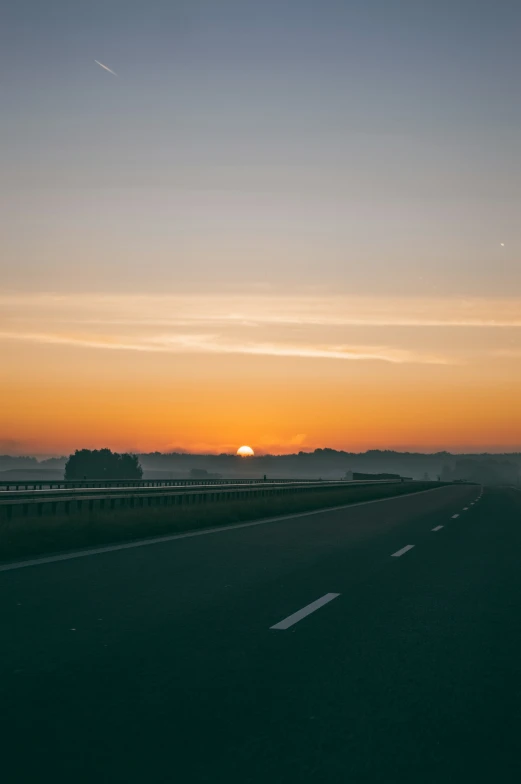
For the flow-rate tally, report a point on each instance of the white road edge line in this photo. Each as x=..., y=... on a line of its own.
x=402, y=551
x=307, y=610
x=454, y=517
x=438, y=528
x=8, y=567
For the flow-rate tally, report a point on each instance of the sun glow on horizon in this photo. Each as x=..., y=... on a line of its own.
x=245, y=451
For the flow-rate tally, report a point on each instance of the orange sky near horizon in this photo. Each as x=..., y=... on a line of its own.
x=417, y=387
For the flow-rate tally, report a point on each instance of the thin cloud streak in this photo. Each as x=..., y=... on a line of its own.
x=382, y=353
x=191, y=310
x=105, y=67
x=210, y=344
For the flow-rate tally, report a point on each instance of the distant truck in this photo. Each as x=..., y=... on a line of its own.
x=202, y=473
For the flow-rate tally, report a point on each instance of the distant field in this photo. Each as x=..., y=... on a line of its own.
x=29, y=536
x=31, y=474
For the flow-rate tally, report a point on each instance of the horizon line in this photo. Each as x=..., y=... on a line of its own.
x=39, y=457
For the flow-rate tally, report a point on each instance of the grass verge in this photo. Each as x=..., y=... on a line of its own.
x=32, y=536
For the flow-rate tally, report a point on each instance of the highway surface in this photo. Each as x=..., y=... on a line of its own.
x=374, y=643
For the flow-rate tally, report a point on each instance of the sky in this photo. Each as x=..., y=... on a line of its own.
x=289, y=224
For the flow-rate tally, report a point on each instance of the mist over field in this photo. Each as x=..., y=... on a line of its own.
x=322, y=463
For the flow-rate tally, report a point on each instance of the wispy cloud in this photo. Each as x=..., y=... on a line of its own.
x=331, y=311
x=212, y=344
x=105, y=67
x=335, y=328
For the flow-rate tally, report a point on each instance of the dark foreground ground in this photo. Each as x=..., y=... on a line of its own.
x=158, y=663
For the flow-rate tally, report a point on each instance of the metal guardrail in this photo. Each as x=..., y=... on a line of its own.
x=67, y=501
x=35, y=484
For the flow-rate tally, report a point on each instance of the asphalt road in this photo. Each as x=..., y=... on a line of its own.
x=161, y=663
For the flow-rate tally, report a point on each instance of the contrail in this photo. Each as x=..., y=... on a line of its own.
x=105, y=67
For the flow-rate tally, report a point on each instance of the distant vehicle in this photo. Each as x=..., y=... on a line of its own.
x=357, y=476
x=202, y=473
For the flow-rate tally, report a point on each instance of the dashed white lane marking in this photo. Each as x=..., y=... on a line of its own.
x=438, y=528
x=402, y=551
x=465, y=509
x=307, y=610
x=454, y=517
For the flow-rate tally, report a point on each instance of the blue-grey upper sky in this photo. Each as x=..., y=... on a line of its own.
x=357, y=146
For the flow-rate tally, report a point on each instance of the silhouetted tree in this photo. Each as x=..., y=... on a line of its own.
x=102, y=464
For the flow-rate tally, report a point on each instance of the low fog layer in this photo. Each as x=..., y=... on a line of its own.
x=322, y=463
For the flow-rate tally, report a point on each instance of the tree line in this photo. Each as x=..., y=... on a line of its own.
x=102, y=464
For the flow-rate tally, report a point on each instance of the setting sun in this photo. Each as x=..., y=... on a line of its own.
x=245, y=451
